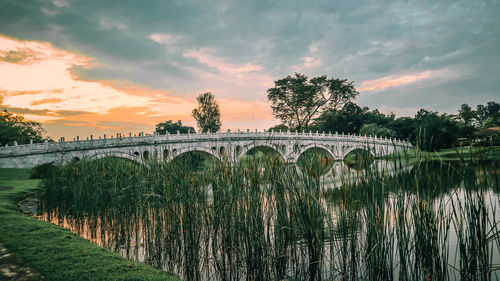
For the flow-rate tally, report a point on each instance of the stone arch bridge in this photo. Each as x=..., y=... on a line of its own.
x=223, y=146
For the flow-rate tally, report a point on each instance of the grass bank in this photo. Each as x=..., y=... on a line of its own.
x=55, y=252
x=451, y=154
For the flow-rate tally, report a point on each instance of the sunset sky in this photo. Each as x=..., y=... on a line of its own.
x=95, y=67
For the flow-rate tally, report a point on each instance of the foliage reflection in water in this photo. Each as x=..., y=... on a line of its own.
x=265, y=220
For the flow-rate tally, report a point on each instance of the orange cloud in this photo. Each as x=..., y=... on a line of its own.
x=398, y=80
x=238, y=110
x=54, y=100
x=206, y=56
x=36, y=80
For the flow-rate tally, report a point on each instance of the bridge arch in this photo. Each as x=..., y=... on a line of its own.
x=362, y=147
x=177, y=152
x=118, y=155
x=313, y=145
x=251, y=146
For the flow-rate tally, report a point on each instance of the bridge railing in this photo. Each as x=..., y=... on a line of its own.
x=112, y=141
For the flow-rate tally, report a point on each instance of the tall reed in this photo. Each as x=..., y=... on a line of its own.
x=263, y=219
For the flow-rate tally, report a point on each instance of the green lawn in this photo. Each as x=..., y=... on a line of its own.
x=466, y=153
x=55, y=252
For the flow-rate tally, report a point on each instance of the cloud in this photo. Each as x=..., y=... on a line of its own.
x=20, y=56
x=206, y=56
x=166, y=39
x=55, y=94
x=247, y=80
x=399, y=80
x=307, y=63
x=239, y=110
x=175, y=50
x=60, y=3
x=44, y=101
x=311, y=61
x=107, y=23
x=43, y=112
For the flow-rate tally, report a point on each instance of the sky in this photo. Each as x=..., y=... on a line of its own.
x=95, y=67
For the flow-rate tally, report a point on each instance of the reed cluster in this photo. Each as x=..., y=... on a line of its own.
x=263, y=219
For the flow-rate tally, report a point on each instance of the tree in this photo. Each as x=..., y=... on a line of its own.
x=481, y=114
x=435, y=131
x=279, y=127
x=467, y=121
x=13, y=127
x=375, y=116
x=404, y=127
x=485, y=112
x=492, y=121
x=349, y=119
x=296, y=100
x=374, y=129
x=466, y=115
x=492, y=107
x=207, y=113
x=172, y=128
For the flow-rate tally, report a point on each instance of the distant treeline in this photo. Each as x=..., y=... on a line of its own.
x=428, y=129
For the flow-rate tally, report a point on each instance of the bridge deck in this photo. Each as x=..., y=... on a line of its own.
x=229, y=146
